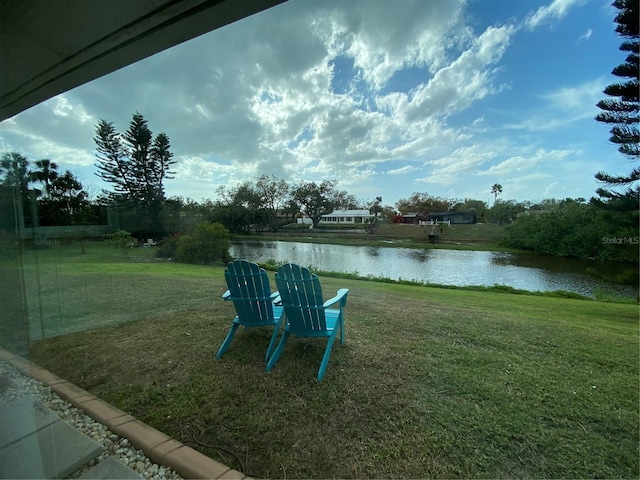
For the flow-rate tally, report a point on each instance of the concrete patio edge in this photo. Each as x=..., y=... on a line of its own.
x=160, y=448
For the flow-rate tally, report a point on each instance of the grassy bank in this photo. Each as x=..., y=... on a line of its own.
x=431, y=382
x=457, y=237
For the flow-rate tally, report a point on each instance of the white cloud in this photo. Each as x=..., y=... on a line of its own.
x=563, y=107
x=548, y=192
x=478, y=121
x=577, y=97
x=35, y=146
x=62, y=107
x=457, y=85
x=547, y=14
x=545, y=122
x=439, y=179
x=417, y=36
x=585, y=36
x=521, y=164
x=198, y=168
x=465, y=158
x=401, y=170
x=458, y=165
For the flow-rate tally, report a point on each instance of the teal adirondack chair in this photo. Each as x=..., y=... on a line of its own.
x=255, y=305
x=307, y=315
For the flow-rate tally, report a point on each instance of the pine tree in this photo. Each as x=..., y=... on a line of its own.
x=113, y=165
x=621, y=111
x=136, y=164
x=618, y=200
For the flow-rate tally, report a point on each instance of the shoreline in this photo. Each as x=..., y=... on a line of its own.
x=365, y=240
x=373, y=240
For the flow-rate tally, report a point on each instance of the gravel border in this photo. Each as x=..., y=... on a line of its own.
x=14, y=384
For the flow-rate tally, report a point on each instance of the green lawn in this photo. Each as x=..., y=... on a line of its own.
x=469, y=232
x=458, y=237
x=431, y=382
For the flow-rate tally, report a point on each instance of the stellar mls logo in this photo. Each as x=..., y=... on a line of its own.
x=620, y=240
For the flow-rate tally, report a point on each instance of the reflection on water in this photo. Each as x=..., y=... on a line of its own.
x=447, y=267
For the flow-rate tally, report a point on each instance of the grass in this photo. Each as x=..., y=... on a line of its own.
x=431, y=382
x=470, y=232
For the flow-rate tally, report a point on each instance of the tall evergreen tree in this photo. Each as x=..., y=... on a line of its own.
x=618, y=199
x=136, y=164
x=621, y=111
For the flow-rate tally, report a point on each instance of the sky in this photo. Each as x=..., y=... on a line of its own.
x=388, y=97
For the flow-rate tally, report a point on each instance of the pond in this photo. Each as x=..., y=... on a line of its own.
x=440, y=266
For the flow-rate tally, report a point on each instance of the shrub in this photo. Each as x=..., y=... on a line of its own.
x=168, y=246
x=208, y=244
x=122, y=241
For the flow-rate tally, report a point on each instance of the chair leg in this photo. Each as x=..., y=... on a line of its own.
x=341, y=329
x=325, y=358
x=276, y=355
x=227, y=341
x=272, y=343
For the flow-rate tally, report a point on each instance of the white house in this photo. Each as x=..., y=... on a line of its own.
x=344, y=217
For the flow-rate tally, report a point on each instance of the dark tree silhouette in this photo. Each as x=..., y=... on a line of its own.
x=136, y=164
x=620, y=193
x=621, y=110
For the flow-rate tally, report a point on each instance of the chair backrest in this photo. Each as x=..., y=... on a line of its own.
x=301, y=296
x=250, y=291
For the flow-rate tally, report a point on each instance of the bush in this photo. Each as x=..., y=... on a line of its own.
x=122, y=241
x=208, y=244
x=567, y=229
x=168, y=247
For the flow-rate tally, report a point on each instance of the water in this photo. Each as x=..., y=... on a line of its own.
x=447, y=267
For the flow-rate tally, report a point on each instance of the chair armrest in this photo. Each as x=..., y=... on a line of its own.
x=275, y=298
x=341, y=297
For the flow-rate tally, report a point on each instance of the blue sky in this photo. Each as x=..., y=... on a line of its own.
x=389, y=97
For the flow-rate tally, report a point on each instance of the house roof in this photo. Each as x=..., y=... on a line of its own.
x=352, y=213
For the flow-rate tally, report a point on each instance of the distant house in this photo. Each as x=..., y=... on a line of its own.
x=411, y=218
x=453, y=217
x=344, y=217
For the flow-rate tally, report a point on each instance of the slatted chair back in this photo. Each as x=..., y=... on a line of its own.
x=301, y=296
x=249, y=287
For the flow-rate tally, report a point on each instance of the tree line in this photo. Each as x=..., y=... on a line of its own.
x=44, y=195
x=569, y=227
x=137, y=166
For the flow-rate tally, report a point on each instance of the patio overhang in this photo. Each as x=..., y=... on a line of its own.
x=50, y=46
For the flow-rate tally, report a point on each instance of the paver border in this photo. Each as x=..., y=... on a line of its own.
x=160, y=448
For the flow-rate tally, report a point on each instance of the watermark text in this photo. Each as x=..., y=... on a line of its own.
x=620, y=240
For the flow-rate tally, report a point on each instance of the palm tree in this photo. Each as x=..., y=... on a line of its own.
x=47, y=173
x=496, y=189
x=14, y=171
